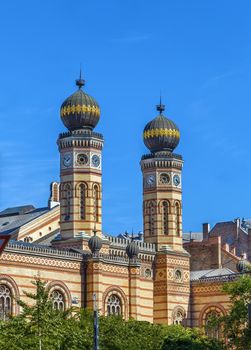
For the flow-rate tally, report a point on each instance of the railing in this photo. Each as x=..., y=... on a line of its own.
x=166, y=155
x=29, y=247
x=81, y=132
x=122, y=242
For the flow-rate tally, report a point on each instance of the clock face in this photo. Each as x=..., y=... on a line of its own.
x=95, y=160
x=176, y=180
x=150, y=180
x=82, y=159
x=67, y=159
x=164, y=178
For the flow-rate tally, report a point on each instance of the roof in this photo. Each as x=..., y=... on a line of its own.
x=15, y=219
x=201, y=274
x=23, y=209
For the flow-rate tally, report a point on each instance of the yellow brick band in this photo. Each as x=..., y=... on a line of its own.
x=161, y=132
x=78, y=109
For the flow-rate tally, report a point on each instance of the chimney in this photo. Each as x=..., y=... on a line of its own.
x=205, y=230
x=54, y=195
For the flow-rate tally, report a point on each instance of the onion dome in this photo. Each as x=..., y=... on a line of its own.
x=243, y=265
x=95, y=243
x=161, y=134
x=132, y=250
x=80, y=111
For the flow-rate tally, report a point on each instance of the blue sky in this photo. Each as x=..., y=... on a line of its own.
x=198, y=53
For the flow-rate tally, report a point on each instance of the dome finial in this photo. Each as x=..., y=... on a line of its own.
x=94, y=230
x=160, y=107
x=80, y=82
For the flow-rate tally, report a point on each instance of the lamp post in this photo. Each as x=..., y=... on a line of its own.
x=95, y=324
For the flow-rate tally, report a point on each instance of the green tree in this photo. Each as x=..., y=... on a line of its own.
x=39, y=326
x=182, y=338
x=234, y=325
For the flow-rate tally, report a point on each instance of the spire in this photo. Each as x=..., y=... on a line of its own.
x=160, y=107
x=80, y=82
x=94, y=230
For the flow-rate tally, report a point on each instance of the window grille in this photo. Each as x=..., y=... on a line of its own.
x=178, y=317
x=82, y=195
x=165, y=217
x=5, y=302
x=114, y=306
x=58, y=300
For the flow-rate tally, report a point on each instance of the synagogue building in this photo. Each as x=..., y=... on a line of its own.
x=159, y=275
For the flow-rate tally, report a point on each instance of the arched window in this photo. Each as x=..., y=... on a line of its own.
x=165, y=217
x=177, y=218
x=82, y=195
x=178, y=316
x=5, y=302
x=67, y=202
x=152, y=219
x=212, y=330
x=114, y=305
x=58, y=300
x=95, y=203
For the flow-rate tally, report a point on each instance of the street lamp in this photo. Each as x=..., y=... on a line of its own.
x=95, y=324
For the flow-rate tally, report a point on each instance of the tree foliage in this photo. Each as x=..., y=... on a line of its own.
x=41, y=327
x=182, y=338
x=235, y=325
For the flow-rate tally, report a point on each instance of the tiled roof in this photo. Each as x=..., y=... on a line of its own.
x=201, y=274
x=10, y=223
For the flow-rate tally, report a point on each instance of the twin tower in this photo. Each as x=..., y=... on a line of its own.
x=81, y=176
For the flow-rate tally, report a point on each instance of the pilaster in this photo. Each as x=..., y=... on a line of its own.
x=134, y=289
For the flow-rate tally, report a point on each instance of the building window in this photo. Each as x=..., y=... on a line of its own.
x=148, y=273
x=58, y=300
x=68, y=202
x=178, y=275
x=152, y=219
x=114, y=305
x=95, y=203
x=177, y=218
x=5, y=302
x=178, y=316
x=211, y=330
x=165, y=217
x=82, y=196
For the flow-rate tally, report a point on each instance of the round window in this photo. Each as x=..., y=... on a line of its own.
x=82, y=159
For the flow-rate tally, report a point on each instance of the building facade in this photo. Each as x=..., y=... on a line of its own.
x=155, y=276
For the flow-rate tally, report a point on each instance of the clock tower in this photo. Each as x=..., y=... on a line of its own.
x=80, y=167
x=162, y=186
x=162, y=212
